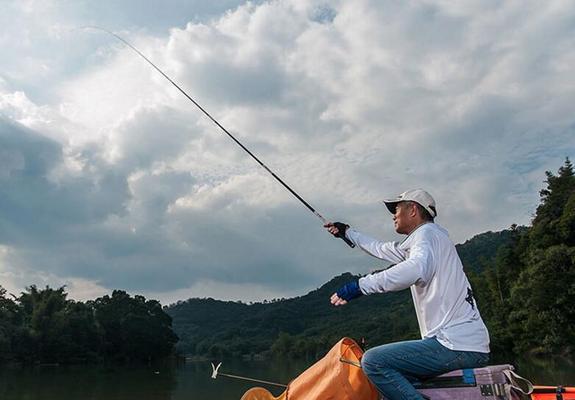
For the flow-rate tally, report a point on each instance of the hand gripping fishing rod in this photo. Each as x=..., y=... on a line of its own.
x=305, y=203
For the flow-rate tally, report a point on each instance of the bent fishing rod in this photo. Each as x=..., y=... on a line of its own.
x=277, y=178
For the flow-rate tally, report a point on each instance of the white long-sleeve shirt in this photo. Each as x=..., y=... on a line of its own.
x=427, y=262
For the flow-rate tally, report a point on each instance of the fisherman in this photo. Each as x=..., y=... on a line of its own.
x=453, y=333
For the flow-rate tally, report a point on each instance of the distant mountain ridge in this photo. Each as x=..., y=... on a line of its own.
x=481, y=249
x=307, y=325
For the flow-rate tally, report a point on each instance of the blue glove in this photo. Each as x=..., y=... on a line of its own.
x=349, y=291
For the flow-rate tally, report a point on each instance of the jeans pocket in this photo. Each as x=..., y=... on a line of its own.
x=456, y=362
x=482, y=359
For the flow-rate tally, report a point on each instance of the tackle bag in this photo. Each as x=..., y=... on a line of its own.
x=337, y=376
x=495, y=382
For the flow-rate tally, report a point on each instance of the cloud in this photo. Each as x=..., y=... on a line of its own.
x=111, y=178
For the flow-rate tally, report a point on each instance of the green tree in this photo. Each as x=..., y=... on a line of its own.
x=55, y=329
x=80, y=334
x=542, y=317
x=554, y=220
x=8, y=325
x=493, y=289
x=43, y=326
x=43, y=320
x=283, y=344
x=133, y=328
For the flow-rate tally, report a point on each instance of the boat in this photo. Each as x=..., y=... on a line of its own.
x=338, y=376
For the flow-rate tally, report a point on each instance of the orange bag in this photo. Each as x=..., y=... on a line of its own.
x=334, y=377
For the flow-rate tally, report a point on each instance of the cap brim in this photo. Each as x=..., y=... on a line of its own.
x=391, y=205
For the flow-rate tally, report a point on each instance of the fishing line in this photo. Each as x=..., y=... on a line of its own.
x=216, y=373
x=305, y=203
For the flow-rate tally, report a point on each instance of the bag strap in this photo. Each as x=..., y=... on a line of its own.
x=515, y=382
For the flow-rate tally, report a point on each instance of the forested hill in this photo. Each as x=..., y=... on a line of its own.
x=481, y=250
x=308, y=325
x=523, y=279
x=302, y=326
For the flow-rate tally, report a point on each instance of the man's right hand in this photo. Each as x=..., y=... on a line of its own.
x=337, y=301
x=347, y=292
x=337, y=229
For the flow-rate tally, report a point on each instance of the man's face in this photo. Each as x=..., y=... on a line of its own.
x=404, y=219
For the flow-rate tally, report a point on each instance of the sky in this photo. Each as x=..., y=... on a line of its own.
x=111, y=179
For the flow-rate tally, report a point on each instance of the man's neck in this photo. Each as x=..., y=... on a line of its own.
x=416, y=225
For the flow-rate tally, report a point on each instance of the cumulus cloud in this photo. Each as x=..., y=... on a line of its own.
x=112, y=179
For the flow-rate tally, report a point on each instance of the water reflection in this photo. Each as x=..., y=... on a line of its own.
x=192, y=381
x=541, y=370
x=86, y=383
x=548, y=371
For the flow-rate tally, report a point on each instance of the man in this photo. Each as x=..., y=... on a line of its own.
x=453, y=333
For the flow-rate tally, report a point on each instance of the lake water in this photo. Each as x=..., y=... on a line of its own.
x=190, y=381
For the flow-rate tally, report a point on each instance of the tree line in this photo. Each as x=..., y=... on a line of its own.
x=42, y=326
x=527, y=292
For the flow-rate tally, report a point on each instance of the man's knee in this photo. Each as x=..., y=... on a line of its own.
x=374, y=360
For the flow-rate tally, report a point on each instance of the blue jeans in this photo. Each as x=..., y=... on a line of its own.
x=392, y=367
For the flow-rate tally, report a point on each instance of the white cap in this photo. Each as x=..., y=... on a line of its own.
x=420, y=196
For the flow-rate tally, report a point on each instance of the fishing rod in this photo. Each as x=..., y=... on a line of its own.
x=216, y=373
x=277, y=178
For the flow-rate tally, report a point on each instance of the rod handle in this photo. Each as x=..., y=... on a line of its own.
x=349, y=242
x=327, y=224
